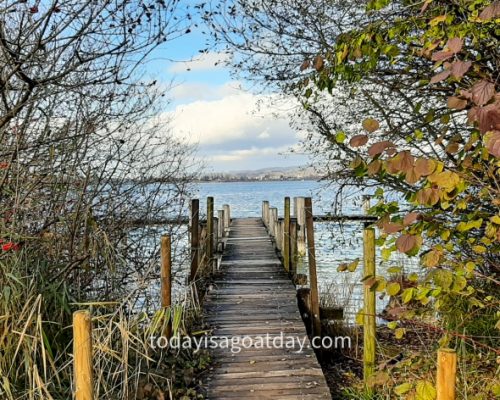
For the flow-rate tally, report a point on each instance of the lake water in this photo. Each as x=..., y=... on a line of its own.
x=335, y=243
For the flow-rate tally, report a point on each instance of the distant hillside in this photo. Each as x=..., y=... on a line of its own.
x=264, y=174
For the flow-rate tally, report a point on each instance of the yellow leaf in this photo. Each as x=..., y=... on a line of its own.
x=437, y=20
x=447, y=179
x=495, y=219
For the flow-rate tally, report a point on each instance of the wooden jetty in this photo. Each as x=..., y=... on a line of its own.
x=253, y=297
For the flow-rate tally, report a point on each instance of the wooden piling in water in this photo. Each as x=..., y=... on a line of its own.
x=195, y=237
x=446, y=374
x=286, y=235
x=210, y=231
x=369, y=335
x=220, y=223
x=313, y=279
x=166, y=279
x=82, y=356
x=279, y=236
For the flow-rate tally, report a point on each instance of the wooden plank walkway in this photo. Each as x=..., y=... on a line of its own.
x=252, y=296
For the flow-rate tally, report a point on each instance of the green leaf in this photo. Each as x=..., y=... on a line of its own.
x=403, y=388
x=340, y=137
x=399, y=333
x=393, y=288
x=425, y=391
x=407, y=295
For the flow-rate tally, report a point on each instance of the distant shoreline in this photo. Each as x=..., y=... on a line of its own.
x=240, y=180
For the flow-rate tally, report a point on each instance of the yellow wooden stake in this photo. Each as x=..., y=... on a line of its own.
x=446, y=374
x=369, y=336
x=82, y=355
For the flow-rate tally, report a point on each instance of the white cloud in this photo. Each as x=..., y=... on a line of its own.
x=193, y=91
x=205, y=62
x=236, y=130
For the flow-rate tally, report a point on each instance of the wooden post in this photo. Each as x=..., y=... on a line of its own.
x=195, y=238
x=286, y=236
x=166, y=279
x=210, y=231
x=82, y=355
x=446, y=374
x=265, y=213
x=274, y=223
x=227, y=217
x=293, y=247
x=279, y=235
x=221, y=223
x=313, y=279
x=216, y=235
x=301, y=225
x=369, y=348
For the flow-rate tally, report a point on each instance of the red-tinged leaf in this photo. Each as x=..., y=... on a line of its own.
x=452, y=148
x=358, y=140
x=459, y=68
x=428, y=196
x=492, y=142
x=456, y=103
x=455, y=45
x=374, y=167
x=391, y=227
x=482, y=92
x=306, y=64
x=466, y=94
x=424, y=7
x=412, y=176
x=318, y=63
x=425, y=166
x=371, y=125
x=487, y=117
x=442, y=55
x=379, y=147
x=490, y=12
x=440, y=77
x=406, y=243
x=403, y=161
x=411, y=218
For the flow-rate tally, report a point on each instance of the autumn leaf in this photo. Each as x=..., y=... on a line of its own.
x=379, y=147
x=482, y=92
x=406, y=243
x=431, y=258
x=459, y=68
x=490, y=12
x=358, y=140
x=440, y=77
x=437, y=20
x=425, y=391
x=487, y=117
x=371, y=125
x=445, y=179
x=391, y=227
x=492, y=142
x=412, y=176
x=411, y=218
x=393, y=288
x=456, y=103
x=454, y=45
x=442, y=55
x=427, y=196
x=374, y=167
x=318, y=63
x=306, y=64
x=425, y=166
x=403, y=161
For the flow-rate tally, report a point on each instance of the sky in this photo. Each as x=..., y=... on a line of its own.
x=234, y=128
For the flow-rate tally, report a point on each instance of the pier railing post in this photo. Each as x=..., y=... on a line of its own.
x=311, y=255
x=195, y=237
x=446, y=374
x=274, y=222
x=293, y=248
x=166, y=279
x=265, y=213
x=369, y=335
x=227, y=218
x=301, y=225
x=286, y=235
x=82, y=356
x=210, y=231
x=221, y=224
